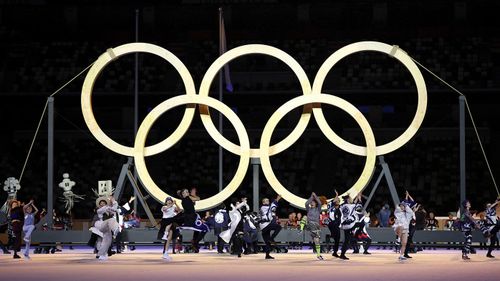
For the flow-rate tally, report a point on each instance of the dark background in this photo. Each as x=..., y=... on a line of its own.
x=46, y=43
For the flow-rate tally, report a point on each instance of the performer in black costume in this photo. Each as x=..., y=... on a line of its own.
x=334, y=217
x=493, y=225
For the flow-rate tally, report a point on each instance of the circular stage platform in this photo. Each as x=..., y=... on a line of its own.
x=146, y=264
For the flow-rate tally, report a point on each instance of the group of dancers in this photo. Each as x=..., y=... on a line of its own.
x=21, y=222
x=238, y=227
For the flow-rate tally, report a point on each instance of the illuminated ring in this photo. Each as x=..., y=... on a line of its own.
x=96, y=69
x=140, y=141
x=368, y=169
x=247, y=50
x=401, y=56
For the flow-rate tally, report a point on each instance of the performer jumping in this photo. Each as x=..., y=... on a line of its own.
x=268, y=223
x=189, y=219
x=313, y=208
x=169, y=210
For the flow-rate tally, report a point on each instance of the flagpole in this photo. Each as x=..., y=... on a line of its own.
x=220, y=99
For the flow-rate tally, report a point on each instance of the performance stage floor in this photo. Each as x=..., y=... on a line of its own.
x=146, y=264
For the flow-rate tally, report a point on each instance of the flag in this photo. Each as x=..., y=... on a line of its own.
x=222, y=50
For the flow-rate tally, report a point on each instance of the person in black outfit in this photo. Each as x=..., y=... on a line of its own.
x=16, y=222
x=187, y=217
x=237, y=237
x=334, y=216
x=467, y=224
x=493, y=225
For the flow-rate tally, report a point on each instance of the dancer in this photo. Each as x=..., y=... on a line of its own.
x=360, y=233
x=268, y=224
x=16, y=224
x=169, y=210
x=250, y=235
x=235, y=231
x=29, y=226
x=347, y=222
x=221, y=224
x=467, y=224
x=122, y=211
x=404, y=215
x=417, y=210
x=106, y=227
x=188, y=219
x=493, y=225
x=334, y=217
x=313, y=208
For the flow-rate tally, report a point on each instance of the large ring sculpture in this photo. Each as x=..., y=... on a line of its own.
x=320, y=98
x=163, y=107
x=311, y=96
x=98, y=66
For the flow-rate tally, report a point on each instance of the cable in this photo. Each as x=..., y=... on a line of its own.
x=71, y=80
x=41, y=118
x=471, y=118
x=33, y=140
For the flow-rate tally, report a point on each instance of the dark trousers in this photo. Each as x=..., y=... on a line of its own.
x=163, y=226
x=238, y=243
x=335, y=235
x=119, y=241
x=409, y=243
x=467, y=243
x=197, y=237
x=493, y=238
x=266, y=234
x=367, y=242
x=220, y=242
x=347, y=241
x=17, y=228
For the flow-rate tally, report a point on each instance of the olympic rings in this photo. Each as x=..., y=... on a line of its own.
x=397, y=54
x=264, y=50
x=96, y=69
x=310, y=96
x=317, y=98
x=163, y=107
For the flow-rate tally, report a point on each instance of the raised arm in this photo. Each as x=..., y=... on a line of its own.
x=308, y=202
x=26, y=206
x=358, y=198
x=193, y=195
x=35, y=209
x=495, y=204
x=408, y=196
x=241, y=204
x=318, y=202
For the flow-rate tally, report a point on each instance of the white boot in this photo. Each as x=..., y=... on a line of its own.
x=166, y=257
